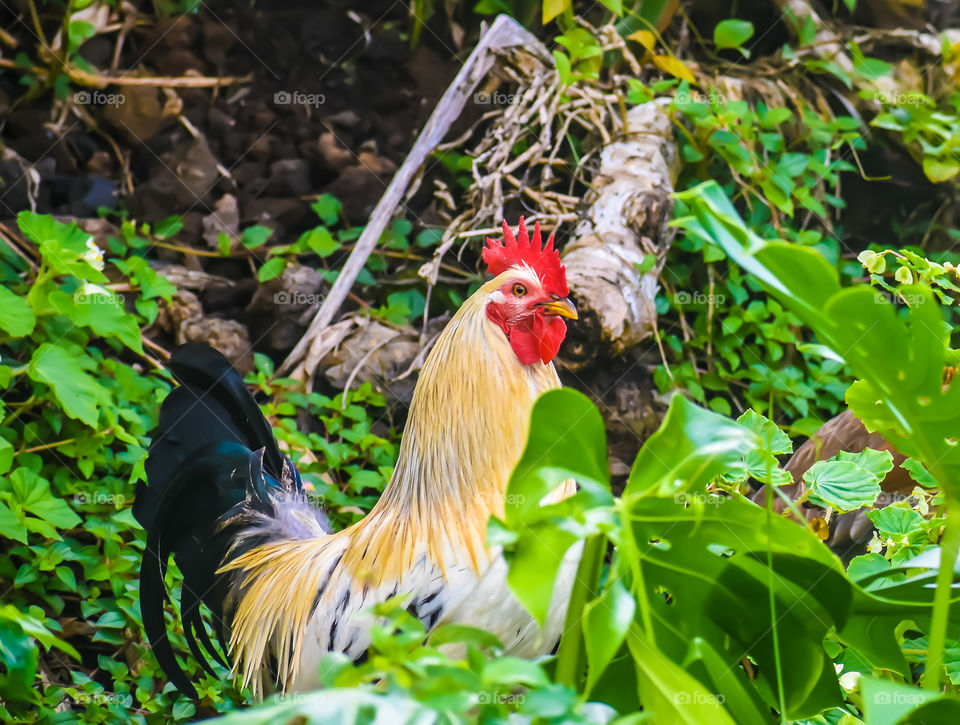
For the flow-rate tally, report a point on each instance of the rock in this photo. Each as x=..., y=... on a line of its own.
x=381, y=355
x=346, y=118
x=228, y=336
x=187, y=175
x=289, y=177
x=180, y=277
x=136, y=112
x=281, y=309
x=218, y=39
x=224, y=219
x=359, y=188
x=333, y=154
x=278, y=214
x=183, y=305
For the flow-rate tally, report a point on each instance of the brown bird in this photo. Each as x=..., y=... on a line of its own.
x=845, y=432
x=847, y=533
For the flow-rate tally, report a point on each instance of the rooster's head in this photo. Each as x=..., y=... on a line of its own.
x=530, y=301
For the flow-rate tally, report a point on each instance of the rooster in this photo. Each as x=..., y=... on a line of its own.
x=283, y=588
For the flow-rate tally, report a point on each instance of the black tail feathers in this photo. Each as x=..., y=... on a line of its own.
x=215, y=474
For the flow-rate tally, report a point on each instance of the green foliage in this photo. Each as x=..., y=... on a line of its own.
x=697, y=582
x=900, y=362
x=929, y=131
x=733, y=33
x=76, y=419
x=727, y=344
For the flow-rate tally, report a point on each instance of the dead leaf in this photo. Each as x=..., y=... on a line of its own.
x=646, y=38
x=674, y=66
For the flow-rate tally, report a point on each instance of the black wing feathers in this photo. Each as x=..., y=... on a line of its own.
x=213, y=463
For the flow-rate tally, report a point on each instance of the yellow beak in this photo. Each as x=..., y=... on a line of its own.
x=563, y=308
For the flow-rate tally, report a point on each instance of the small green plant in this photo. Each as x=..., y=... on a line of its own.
x=726, y=342
x=929, y=131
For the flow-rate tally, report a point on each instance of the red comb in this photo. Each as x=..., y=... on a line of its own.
x=513, y=251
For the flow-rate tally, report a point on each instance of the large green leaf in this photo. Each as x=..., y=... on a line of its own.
x=16, y=315
x=64, y=247
x=65, y=372
x=668, y=691
x=893, y=703
x=899, y=362
x=841, y=484
x=706, y=576
x=11, y=526
x=101, y=311
x=567, y=439
x=605, y=624
x=692, y=446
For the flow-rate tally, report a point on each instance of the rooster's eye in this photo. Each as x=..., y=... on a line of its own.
x=519, y=290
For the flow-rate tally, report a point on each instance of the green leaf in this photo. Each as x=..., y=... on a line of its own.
x=667, y=691
x=605, y=624
x=63, y=247
x=614, y=6
x=732, y=33
x=877, y=463
x=271, y=268
x=328, y=208
x=919, y=473
x=54, y=511
x=552, y=8
x=534, y=561
x=97, y=308
x=321, y=241
x=65, y=373
x=692, y=446
x=940, y=168
x=6, y=455
x=566, y=439
x=11, y=525
x=16, y=315
x=841, y=484
x=890, y=703
x=255, y=236
x=771, y=438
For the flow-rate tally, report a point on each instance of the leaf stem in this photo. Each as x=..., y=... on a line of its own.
x=772, y=597
x=571, y=656
x=949, y=548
